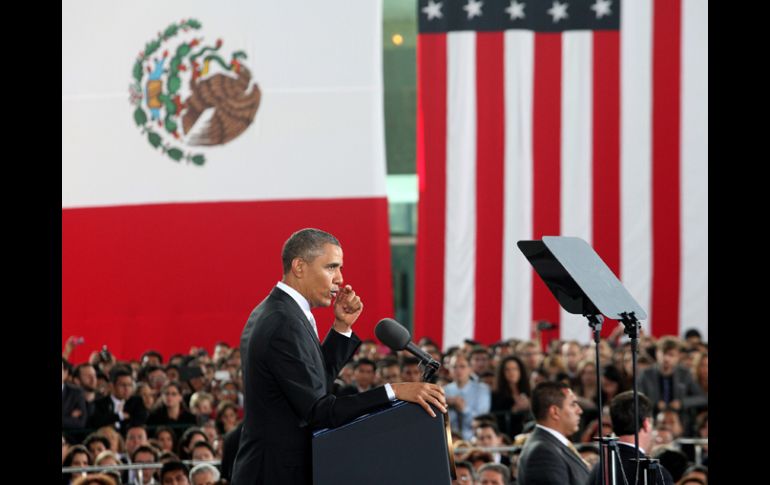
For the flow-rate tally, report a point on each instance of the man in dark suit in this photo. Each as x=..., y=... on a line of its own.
x=73, y=404
x=288, y=374
x=669, y=385
x=548, y=457
x=622, y=415
x=119, y=408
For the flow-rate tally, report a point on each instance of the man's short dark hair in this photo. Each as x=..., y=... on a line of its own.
x=693, y=332
x=203, y=444
x=146, y=449
x=171, y=466
x=668, y=343
x=468, y=466
x=479, y=350
x=306, y=244
x=79, y=367
x=503, y=470
x=409, y=361
x=95, y=436
x=622, y=412
x=545, y=395
x=364, y=361
x=119, y=371
x=489, y=424
x=386, y=362
x=152, y=353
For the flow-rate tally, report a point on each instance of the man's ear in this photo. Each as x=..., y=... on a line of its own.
x=647, y=425
x=298, y=267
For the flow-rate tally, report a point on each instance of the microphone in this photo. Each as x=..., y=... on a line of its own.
x=395, y=336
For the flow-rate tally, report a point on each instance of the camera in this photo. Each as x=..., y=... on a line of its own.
x=105, y=355
x=546, y=325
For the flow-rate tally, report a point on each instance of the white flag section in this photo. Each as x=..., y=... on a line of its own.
x=318, y=132
x=196, y=137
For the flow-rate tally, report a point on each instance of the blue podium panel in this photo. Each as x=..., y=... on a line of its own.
x=399, y=445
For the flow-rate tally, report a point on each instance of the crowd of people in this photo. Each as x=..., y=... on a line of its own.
x=186, y=409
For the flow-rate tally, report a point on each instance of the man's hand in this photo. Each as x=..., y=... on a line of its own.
x=347, y=308
x=421, y=393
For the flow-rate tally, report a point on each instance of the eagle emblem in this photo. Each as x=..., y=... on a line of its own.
x=188, y=93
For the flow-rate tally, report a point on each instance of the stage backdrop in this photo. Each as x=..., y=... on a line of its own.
x=196, y=137
x=584, y=118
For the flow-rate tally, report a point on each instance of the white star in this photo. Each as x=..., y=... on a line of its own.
x=516, y=10
x=602, y=8
x=433, y=10
x=473, y=8
x=558, y=11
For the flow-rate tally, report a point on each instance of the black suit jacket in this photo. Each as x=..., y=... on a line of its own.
x=627, y=454
x=287, y=378
x=71, y=399
x=685, y=389
x=545, y=461
x=104, y=413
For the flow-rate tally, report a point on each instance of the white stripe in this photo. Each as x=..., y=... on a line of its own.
x=693, y=302
x=460, y=243
x=517, y=272
x=576, y=155
x=635, y=151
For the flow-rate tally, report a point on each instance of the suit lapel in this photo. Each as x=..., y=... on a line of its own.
x=297, y=312
x=564, y=449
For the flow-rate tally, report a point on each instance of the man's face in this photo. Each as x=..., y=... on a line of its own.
x=123, y=387
x=570, y=353
x=364, y=375
x=321, y=278
x=144, y=457
x=491, y=477
x=175, y=477
x=411, y=373
x=668, y=360
x=202, y=453
x=486, y=437
x=79, y=460
x=532, y=356
x=390, y=374
x=135, y=437
x=569, y=413
x=464, y=477
x=203, y=478
x=460, y=369
x=479, y=362
x=64, y=373
x=96, y=447
x=87, y=378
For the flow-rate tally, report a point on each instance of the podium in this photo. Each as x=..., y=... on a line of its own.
x=400, y=444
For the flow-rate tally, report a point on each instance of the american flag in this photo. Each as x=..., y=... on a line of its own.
x=584, y=118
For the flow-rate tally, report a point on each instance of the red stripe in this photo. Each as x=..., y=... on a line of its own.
x=547, y=157
x=606, y=153
x=666, y=82
x=431, y=172
x=172, y=276
x=490, y=161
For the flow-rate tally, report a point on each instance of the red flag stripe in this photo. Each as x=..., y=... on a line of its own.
x=431, y=172
x=546, y=153
x=606, y=153
x=490, y=154
x=665, y=166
